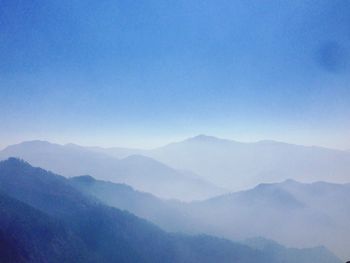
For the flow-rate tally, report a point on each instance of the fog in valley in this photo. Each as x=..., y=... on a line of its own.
x=174, y=131
x=303, y=211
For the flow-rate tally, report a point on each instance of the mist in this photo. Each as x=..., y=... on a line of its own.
x=174, y=131
x=302, y=204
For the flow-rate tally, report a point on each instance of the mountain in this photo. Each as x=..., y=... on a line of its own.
x=236, y=165
x=143, y=173
x=107, y=234
x=202, y=163
x=287, y=255
x=292, y=213
x=295, y=214
x=118, y=152
x=165, y=213
x=29, y=235
x=43, y=212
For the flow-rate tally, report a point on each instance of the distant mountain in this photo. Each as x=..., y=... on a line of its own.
x=201, y=164
x=143, y=173
x=106, y=234
x=238, y=166
x=317, y=254
x=293, y=213
x=118, y=152
x=165, y=213
x=42, y=214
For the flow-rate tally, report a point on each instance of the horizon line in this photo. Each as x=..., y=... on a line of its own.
x=184, y=139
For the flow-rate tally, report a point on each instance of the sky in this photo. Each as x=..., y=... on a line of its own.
x=145, y=73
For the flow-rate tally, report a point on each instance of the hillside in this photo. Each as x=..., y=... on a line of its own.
x=293, y=213
x=107, y=234
x=143, y=173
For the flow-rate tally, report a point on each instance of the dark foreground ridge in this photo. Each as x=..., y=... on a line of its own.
x=45, y=219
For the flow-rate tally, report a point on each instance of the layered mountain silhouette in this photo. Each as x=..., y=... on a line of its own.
x=290, y=212
x=45, y=219
x=143, y=173
x=293, y=213
x=43, y=209
x=200, y=164
x=166, y=213
x=236, y=165
x=241, y=165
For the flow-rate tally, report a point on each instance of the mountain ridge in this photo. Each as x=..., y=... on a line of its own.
x=221, y=162
x=107, y=234
x=239, y=165
x=142, y=172
x=277, y=211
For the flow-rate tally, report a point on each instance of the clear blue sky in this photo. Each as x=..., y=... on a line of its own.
x=142, y=73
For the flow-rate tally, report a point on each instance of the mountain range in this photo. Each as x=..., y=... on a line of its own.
x=143, y=173
x=196, y=168
x=45, y=219
x=295, y=214
x=236, y=165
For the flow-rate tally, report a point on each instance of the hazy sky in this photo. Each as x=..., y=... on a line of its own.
x=142, y=73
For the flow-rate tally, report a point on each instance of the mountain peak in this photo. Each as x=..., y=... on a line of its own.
x=25, y=145
x=205, y=138
x=13, y=161
x=290, y=181
x=37, y=142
